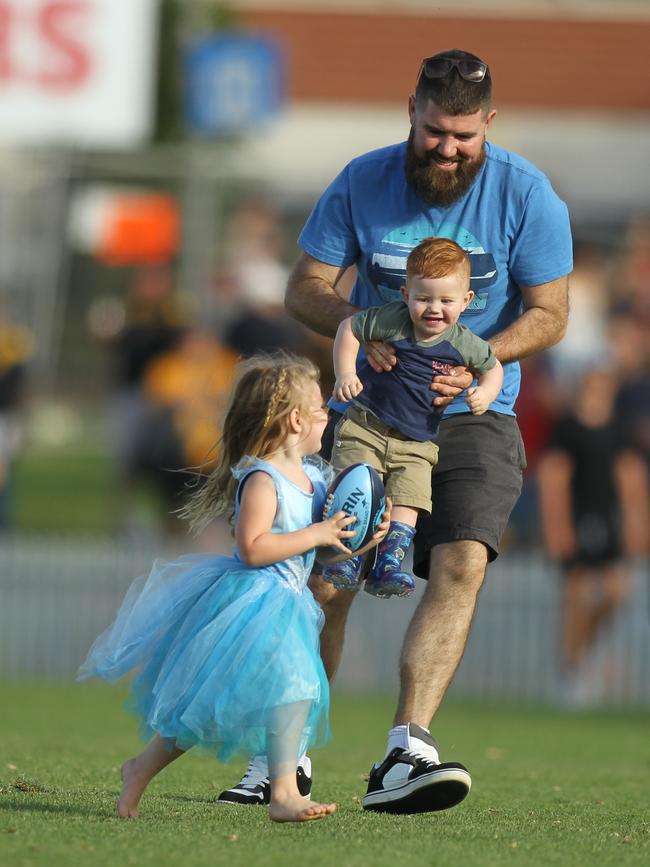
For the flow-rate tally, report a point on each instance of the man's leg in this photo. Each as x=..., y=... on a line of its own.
x=336, y=607
x=412, y=779
x=475, y=484
x=575, y=610
x=593, y=595
x=437, y=634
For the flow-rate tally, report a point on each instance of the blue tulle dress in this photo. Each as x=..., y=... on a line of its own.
x=227, y=655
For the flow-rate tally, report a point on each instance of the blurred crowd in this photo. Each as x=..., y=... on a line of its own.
x=172, y=366
x=584, y=412
x=16, y=349
x=608, y=332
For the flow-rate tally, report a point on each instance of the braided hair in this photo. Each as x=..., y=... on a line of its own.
x=267, y=389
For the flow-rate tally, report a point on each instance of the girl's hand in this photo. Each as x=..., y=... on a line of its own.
x=477, y=400
x=382, y=527
x=331, y=531
x=347, y=386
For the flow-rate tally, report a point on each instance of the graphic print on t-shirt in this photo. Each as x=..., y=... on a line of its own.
x=388, y=264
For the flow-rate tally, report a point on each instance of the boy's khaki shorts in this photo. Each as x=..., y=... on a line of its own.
x=360, y=437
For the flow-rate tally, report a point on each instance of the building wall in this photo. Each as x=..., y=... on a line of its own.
x=572, y=86
x=537, y=62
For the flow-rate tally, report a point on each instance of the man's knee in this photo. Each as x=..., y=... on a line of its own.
x=335, y=603
x=459, y=567
x=618, y=587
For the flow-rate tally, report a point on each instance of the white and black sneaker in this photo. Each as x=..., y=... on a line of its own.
x=254, y=788
x=414, y=780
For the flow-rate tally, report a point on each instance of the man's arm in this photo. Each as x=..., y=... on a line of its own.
x=312, y=299
x=554, y=485
x=311, y=295
x=542, y=324
x=631, y=475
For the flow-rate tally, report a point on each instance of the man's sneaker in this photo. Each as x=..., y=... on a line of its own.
x=414, y=780
x=254, y=788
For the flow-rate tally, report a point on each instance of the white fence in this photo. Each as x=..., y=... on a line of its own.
x=56, y=596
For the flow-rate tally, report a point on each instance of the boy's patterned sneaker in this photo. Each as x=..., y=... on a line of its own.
x=414, y=780
x=386, y=578
x=345, y=574
x=394, y=583
x=254, y=788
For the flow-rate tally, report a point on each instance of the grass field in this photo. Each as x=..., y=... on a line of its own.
x=73, y=491
x=548, y=789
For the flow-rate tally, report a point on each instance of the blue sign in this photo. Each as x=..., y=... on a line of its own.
x=232, y=83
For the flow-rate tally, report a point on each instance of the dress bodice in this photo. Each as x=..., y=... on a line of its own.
x=296, y=509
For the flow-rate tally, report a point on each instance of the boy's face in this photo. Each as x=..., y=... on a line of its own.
x=435, y=303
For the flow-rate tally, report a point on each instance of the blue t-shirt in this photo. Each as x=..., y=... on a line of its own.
x=511, y=222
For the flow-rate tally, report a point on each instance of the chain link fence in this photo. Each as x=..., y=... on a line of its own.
x=56, y=596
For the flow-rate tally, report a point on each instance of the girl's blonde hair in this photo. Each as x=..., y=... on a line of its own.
x=266, y=390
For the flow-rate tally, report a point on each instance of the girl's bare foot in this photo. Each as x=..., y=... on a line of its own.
x=132, y=789
x=296, y=809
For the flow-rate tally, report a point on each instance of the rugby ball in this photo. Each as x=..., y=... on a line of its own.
x=358, y=491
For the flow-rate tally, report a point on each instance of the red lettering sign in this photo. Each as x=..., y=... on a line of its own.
x=57, y=57
x=5, y=41
x=56, y=24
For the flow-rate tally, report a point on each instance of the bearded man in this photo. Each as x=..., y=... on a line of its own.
x=445, y=181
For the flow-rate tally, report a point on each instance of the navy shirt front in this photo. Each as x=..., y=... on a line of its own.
x=402, y=397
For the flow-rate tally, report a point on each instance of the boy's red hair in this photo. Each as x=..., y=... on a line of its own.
x=438, y=257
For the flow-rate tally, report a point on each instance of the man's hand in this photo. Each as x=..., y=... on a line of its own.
x=451, y=385
x=381, y=356
x=347, y=386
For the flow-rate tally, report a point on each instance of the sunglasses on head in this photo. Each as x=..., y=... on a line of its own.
x=440, y=67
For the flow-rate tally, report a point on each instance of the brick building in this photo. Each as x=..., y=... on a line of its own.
x=572, y=86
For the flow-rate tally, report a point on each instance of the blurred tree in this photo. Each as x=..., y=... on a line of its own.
x=179, y=21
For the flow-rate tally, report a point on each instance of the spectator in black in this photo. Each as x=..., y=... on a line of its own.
x=595, y=516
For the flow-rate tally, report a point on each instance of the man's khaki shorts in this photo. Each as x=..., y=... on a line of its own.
x=360, y=437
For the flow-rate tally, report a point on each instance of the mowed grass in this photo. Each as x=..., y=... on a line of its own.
x=61, y=491
x=75, y=491
x=548, y=789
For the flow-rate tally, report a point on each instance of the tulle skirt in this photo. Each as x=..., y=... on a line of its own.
x=227, y=657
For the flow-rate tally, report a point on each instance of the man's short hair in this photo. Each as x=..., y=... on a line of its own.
x=453, y=94
x=438, y=257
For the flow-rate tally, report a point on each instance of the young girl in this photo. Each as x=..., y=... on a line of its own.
x=228, y=648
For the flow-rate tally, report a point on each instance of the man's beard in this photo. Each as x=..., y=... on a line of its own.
x=435, y=185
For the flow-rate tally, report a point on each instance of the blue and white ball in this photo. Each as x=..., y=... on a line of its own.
x=358, y=490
